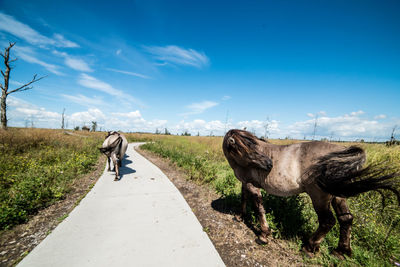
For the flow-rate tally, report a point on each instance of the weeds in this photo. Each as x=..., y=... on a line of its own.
x=376, y=231
x=37, y=168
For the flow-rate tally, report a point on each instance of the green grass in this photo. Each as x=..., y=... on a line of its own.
x=376, y=232
x=38, y=167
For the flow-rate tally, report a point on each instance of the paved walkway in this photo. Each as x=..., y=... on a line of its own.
x=141, y=220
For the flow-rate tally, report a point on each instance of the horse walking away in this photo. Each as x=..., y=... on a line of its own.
x=328, y=173
x=114, y=147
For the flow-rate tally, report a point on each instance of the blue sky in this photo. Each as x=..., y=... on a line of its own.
x=207, y=66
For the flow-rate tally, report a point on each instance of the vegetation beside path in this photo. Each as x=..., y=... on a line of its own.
x=38, y=167
x=376, y=231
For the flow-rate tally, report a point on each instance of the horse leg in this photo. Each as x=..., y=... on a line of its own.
x=345, y=219
x=243, y=209
x=116, y=167
x=119, y=160
x=257, y=198
x=109, y=162
x=321, y=202
x=244, y=201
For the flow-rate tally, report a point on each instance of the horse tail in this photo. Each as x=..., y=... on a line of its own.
x=341, y=174
x=111, y=147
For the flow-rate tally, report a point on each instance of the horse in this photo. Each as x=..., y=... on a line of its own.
x=114, y=147
x=328, y=173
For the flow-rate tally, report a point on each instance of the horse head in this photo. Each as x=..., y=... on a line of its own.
x=243, y=148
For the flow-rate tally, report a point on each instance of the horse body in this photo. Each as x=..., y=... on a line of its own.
x=114, y=147
x=325, y=171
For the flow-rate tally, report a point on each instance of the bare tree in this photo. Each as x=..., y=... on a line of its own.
x=315, y=126
x=392, y=137
x=267, y=126
x=226, y=121
x=94, y=126
x=393, y=133
x=4, y=87
x=62, y=119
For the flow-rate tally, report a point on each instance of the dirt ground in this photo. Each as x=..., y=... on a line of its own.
x=20, y=240
x=235, y=241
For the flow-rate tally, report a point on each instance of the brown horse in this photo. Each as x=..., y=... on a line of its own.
x=114, y=147
x=328, y=173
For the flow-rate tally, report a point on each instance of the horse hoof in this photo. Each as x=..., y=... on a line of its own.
x=116, y=179
x=308, y=253
x=340, y=253
x=238, y=218
x=262, y=240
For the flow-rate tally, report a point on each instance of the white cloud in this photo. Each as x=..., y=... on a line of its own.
x=60, y=41
x=16, y=83
x=318, y=114
x=130, y=73
x=86, y=117
x=12, y=26
x=357, y=113
x=259, y=126
x=379, y=117
x=84, y=100
x=348, y=126
x=198, y=108
x=73, y=62
x=77, y=64
x=27, y=54
x=203, y=127
x=93, y=83
x=22, y=113
x=226, y=97
x=180, y=56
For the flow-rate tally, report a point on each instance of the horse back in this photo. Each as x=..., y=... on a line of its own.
x=290, y=165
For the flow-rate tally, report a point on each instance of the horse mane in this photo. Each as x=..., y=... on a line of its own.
x=242, y=147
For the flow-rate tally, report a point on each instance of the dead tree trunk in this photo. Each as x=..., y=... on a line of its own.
x=4, y=87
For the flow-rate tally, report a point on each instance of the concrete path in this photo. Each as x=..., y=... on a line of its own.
x=141, y=220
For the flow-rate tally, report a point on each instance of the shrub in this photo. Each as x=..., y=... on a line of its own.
x=37, y=168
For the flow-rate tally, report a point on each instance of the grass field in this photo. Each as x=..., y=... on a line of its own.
x=376, y=232
x=37, y=167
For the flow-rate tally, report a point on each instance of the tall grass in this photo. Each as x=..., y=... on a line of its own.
x=376, y=231
x=38, y=167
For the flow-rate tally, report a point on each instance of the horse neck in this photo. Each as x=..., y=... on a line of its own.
x=271, y=149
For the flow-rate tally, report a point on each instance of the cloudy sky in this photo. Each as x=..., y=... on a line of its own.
x=208, y=66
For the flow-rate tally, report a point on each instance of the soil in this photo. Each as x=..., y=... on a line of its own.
x=17, y=242
x=235, y=241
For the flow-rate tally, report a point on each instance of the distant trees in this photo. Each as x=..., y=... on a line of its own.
x=186, y=133
x=393, y=140
x=63, y=119
x=267, y=126
x=315, y=126
x=94, y=126
x=5, y=86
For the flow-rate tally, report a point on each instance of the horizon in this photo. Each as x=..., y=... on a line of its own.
x=275, y=68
